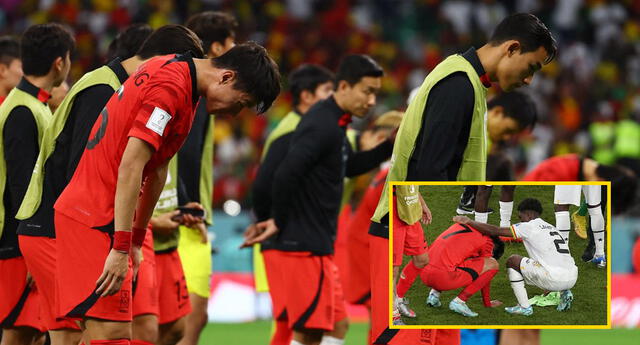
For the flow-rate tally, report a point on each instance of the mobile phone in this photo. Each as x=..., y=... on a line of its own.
x=196, y=212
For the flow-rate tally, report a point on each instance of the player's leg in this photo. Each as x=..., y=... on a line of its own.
x=277, y=290
x=196, y=320
x=592, y=195
x=489, y=270
x=482, y=203
x=171, y=332
x=506, y=205
x=399, y=239
x=341, y=326
x=563, y=197
x=144, y=327
x=416, y=246
x=108, y=332
x=173, y=295
x=19, y=336
x=467, y=200
x=517, y=284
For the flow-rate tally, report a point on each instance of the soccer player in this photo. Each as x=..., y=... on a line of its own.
x=308, y=84
x=306, y=198
x=408, y=238
x=63, y=143
x=142, y=126
x=549, y=266
x=195, y=172
x=443, y=137
x=461, y=256
x=10, y=65
x=24, y=114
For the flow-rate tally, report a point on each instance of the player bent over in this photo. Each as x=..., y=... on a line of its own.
x=549, y=266
x=462, y=256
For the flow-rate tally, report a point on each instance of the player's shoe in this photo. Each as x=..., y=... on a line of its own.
x=397, y=319
x=518, y=310
x=461, y=308
x=600, y=261
x=579, y=225
x=589, y=252
x=403, y=307
x=463, y=209
x=566, y=297
x=552, y=298
x=433, y=301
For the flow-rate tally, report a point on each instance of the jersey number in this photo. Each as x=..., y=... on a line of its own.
x=559, y=242
x=100, y=132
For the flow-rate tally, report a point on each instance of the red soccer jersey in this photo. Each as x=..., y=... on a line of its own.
x=156, y=105
x=456, y=244
x=362, y=218
x=558, y=168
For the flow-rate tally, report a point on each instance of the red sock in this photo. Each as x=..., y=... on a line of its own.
x=408, y=275
x=111, y=342
x=486, y=295
x=480, y=282
x=283, y=334
x=140, y=342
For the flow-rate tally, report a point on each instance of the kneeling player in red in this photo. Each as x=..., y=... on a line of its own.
x=408, y=238
x=141, y=128
x=462, y=257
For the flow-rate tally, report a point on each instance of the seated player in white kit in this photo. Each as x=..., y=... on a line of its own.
x=549, y=266
x=566, y=195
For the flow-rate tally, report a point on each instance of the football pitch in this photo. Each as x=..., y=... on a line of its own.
x=590, y=292
x=257, y=333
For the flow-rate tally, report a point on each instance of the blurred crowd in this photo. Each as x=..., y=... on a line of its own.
x=588, y=99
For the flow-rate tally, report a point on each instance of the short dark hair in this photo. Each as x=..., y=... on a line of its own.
x=9, y=49
x=355, y=67
x=41, y=44
x=530, y=204
x=307, y=77
x=256, y=73
x=171, y=39
x=128, y=41
x=624, y=183
x=518, y=106
x=498, y=247
x=529, y=31
x=212, y=26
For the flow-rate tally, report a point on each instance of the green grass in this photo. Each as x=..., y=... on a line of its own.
x=590, y=337
x=590, y=298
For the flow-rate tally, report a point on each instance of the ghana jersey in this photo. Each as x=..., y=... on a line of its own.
x=155, y=105
x=456, y=244
x=560, y=168
x=23, y=116
x=545, y=245
x=62, y=146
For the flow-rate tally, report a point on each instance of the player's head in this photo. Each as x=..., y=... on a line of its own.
x=10, y=64
x=170, y=39
x=358, y=80
x=510, y=113
x=217, y=30
x=244, y=77
x=523, y=44
x=45, y=50
x=498, y=247
x=624, y=183
x=128, y=41
x=309, y=84
x=380, y=130
x=529, y=209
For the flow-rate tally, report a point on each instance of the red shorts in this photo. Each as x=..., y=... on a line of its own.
x=463, y=275
x=145, y=286
x=278, y=296
x=407, y=240
x=310, y=289
x=40, y=256
x=173, y=295
x=20, y=304
x=381, y=333
x=357, y=288
x=81, y=253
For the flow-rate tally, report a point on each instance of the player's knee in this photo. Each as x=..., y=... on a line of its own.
x=513, y=261
x=341, y=327
x=421, y=260
x=491, y=264
x=172, y=334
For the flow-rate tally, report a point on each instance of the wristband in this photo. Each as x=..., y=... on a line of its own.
x=138, y=235
x=122, y=241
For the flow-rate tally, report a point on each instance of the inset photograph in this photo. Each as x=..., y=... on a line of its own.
x=499, y=256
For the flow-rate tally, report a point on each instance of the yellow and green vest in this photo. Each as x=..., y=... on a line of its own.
x=474, y=160
x=42, y=116
x=206, y=173
x=167, y=202
x=408, y=203
x=33, y=196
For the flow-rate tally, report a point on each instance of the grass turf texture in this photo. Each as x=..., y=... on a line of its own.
x=590, y=295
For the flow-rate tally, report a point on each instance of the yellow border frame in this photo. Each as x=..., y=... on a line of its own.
x=497, y=183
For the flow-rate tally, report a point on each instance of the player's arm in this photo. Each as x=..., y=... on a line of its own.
x=426, y=212
x=445, y=131
x=263, y=184
x=487, y=229
x=361, y=162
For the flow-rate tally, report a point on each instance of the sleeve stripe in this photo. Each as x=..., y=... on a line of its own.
x=513, y=231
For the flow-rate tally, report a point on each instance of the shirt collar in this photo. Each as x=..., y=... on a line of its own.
x=116, y=67
x=343, y=117
x=472, y=56
x=42, y=95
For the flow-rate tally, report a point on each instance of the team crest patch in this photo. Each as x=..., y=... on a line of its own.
x=158, y=120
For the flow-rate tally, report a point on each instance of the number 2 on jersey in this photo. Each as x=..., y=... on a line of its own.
x=561, y=245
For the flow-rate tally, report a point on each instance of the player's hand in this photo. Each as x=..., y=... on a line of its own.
x=251, y=231
x=115, y=270
x=136, y=258
x=202, y=231
x=164, y=224
x=189, y=220
x=495, y=303
x=426, y=215
x=461, y=219
x=263, y=231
